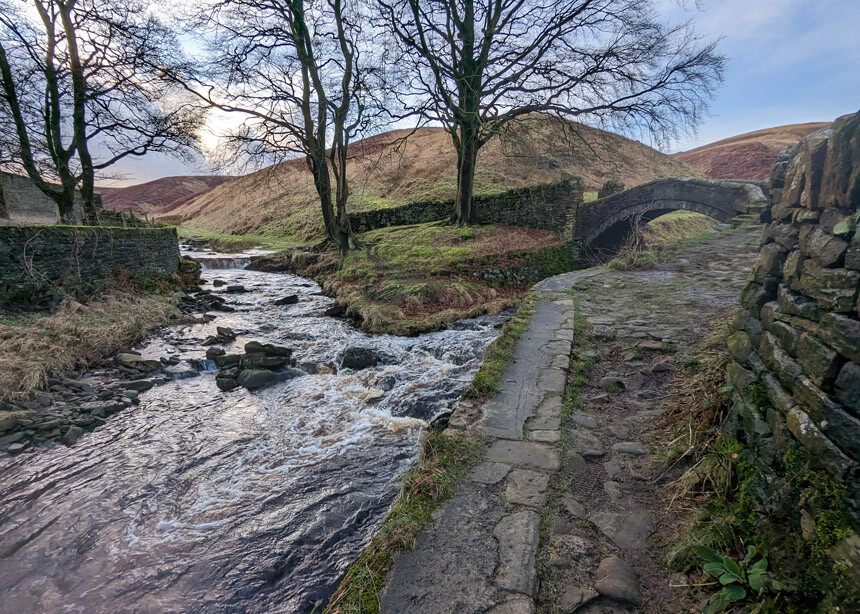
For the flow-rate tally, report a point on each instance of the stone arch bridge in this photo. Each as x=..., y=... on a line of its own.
x=604, y=223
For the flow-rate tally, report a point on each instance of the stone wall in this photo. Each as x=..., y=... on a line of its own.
x=795, y=370
x=544, y=206
x=32, y=256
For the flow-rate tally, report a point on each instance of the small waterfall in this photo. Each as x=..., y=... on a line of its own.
x=222, y=261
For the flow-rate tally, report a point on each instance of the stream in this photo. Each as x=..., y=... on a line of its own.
x=198, y=500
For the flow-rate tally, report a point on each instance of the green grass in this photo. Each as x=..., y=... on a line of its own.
x=445, y=460
x=501, y=351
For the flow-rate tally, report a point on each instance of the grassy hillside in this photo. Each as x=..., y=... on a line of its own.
x=746, y=156
x=151, y=197
x=404, y=166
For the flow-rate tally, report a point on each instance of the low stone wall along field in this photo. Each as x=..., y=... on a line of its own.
x=35, y=256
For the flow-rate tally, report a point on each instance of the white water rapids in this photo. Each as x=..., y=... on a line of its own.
x=202, y=501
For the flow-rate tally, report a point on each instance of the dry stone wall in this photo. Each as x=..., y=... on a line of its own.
x=543, y=206
x=795, y=369
x=32, y=256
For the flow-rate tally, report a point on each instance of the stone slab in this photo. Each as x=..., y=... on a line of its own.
x=449, y=569
x=517, y=536
x=519, y=395
x=489, y=473
x=524, y=454
x=525, y=487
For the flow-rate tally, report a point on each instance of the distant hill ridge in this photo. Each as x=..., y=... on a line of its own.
x=746, y=156
x=404, y=166
x=151, y=197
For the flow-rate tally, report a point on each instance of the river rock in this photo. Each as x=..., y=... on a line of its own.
x=134, y=361
x=255, y=347
x=138, y=385
x=338, y=310
x=213, y=353
x=235, y=289
x=258, y=360
x=254, y=379
x=218, y=283
x=359, y=358
x=225, y=332
x=72, y=435
x=226, y=383
x=227, y=360
x=292, y=299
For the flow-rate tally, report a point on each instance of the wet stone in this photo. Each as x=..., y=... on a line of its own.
x=575, y=596
x=520, y=453
x=573, y=507
x=548, y=424
x=527, y=487
x=517, y=605
x=626, y=530
x=552, y=380
x=586, y=443
x=544, y=436
x=611, y=381
x=517, y=536
x=616, y=579
x=630, y=447
x=585, y=420
x=489, y=473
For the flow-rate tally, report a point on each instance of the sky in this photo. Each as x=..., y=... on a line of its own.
x=789, y=61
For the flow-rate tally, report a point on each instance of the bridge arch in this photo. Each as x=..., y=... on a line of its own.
x=605, y=223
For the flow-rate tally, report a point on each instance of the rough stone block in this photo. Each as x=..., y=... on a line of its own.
x=788, y=337
x=832, y=289
x=820, y=447
x=517, y=535
x=819, y=362
x=770, y=262
x=842, y=333
x=780, y=398
x=848, y=386
x=785, y=368
x=825, y=249
x=797, y=304
x=739, y=347
x=739, y=378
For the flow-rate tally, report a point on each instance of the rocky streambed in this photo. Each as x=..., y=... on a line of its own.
x=205, y=493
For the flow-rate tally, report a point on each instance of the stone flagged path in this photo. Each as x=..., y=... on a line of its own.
x=480, y=555
x=603, y=553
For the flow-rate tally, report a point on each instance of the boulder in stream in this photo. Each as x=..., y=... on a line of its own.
x=255, y=347
x=235, y=289
x=134, y=361
x=292, y=299
x=359, y=358
x=259, y=360
x=254, y=379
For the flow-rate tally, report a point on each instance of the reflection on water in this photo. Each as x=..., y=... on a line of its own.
x=203, y=501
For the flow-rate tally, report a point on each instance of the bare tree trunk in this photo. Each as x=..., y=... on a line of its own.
x=467, y=162
x=79, y=118
x=336, y=222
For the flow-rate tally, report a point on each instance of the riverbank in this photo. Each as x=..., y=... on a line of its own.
x=405, y=280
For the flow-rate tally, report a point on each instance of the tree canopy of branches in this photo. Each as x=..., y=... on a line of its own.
x=477, y=65
x=82, y=90
x=300, y=75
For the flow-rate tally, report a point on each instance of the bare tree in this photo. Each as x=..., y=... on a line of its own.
x=478, y=65
x=82, y=88
x=300, y=75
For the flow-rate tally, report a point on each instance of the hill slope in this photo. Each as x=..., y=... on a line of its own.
x=150, y=197
x=746, y=156
x=391, y=169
